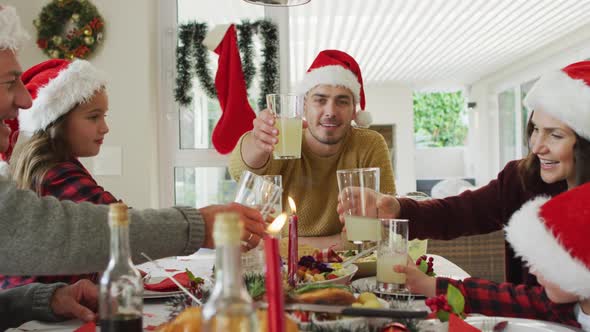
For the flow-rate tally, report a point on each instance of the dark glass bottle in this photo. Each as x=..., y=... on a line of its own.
x=121, y=286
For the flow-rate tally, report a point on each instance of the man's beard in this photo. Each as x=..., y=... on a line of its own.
x=328, y=140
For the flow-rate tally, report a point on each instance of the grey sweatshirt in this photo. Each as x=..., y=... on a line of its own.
x=25, y=303
x=40, y=236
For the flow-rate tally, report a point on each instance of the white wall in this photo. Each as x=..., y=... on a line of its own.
x=128, y=56
x=392, y=104
x=440, y=163
x=483, y=147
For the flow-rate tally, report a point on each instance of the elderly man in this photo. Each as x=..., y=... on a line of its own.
x=45, y=236
x=332, y=86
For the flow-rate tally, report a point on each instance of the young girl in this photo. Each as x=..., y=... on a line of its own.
x=555, y=246
x=66, y=122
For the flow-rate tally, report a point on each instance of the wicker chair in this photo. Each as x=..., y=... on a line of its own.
x=481, y=256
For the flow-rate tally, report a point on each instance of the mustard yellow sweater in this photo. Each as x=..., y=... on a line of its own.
x=311, y=180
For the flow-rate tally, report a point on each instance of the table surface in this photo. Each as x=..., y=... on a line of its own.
x=201, y=263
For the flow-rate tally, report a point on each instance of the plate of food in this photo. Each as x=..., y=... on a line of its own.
x=369, y=284
x=367, y=266
x=334, y=295
x=310, y=270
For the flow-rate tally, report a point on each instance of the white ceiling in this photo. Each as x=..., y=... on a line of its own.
x=423, y=42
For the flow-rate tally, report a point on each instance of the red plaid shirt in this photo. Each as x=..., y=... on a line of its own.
x=67, y=181
x=509, y=300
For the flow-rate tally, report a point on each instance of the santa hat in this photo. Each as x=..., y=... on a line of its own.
x=333, y=67
x=12, y=34
x=565, y=94
x=552, y=236
x=56, y=87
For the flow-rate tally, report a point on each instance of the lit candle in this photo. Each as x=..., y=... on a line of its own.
x=274, y=284
x=293, y=257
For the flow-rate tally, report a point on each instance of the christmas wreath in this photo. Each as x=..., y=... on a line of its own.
x=191, y=53
x=69, y=29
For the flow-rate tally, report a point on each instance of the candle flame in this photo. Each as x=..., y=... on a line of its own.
x=277, y=224
x=292, y=204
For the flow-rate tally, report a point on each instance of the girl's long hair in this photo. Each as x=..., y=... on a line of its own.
x=32, y=159
x=529, y=168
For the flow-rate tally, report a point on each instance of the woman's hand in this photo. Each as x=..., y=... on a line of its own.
x=376, y=205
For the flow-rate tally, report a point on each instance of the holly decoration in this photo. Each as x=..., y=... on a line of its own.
x=426, y=265
x=81, y=40
x=192, y=59
x=445, y=305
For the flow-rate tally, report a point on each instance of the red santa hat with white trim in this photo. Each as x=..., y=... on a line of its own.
x=551, y=235
x=333, y=67
x=56, y=87
x=564, y=94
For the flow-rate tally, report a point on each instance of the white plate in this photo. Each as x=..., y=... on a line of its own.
x=147, y=294
x=343, y=280
x=518, y=324
x=352, y=323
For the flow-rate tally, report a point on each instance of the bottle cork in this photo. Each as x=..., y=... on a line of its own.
x=118, y=214
x=227, y=228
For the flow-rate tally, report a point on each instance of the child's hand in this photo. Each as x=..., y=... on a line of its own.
x=416, y=281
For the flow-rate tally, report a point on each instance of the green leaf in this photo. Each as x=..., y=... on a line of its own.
x=443, y=315
x=423, y=266
x=455, y=299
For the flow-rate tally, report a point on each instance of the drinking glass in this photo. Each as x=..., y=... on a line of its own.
x=392, y=250
x=417, y=247
x=257, y=192
x=288, y=112
x=278, y=207
x=358, y=188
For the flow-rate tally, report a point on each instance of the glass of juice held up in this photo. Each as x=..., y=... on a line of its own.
x=288, y=112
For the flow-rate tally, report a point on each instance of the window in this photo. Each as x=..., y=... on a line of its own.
x=507, y=123
x=440, y=119
x=513, y=119
x=191, y=172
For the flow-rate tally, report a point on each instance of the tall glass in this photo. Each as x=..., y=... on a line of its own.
x=358, y=188
x=288, y=112
x=392, y=250
x=417, y=247
x=257, y=192
x=278, y=207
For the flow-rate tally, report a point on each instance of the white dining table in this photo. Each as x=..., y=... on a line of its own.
x=156, y=311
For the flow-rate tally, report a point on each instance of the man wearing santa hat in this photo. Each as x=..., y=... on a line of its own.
x=332, y=86
x=25, y=242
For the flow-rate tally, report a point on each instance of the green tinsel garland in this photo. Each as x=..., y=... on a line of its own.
x=81, y=41
x=190, y=52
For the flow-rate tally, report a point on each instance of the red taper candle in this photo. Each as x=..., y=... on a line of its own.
x=274, y=280
x=293, y=255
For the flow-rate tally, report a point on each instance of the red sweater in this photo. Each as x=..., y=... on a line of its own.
x=481, y=211
x=509, y=300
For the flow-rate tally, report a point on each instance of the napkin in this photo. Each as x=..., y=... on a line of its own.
x=88, y=327
x=456, y=324
x=168, y=285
